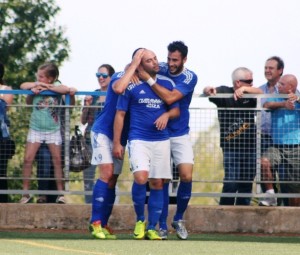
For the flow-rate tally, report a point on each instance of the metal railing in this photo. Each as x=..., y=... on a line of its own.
x=204, y=132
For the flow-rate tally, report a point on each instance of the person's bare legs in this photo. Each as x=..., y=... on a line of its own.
x=266, y=173
x=294, y=201
x=55, y=151
x=30, y=152
x=267, y=176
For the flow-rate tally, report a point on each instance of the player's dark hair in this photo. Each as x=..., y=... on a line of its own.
x=135, y=51
x=180, y=46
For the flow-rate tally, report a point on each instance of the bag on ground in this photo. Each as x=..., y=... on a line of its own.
x=80, y=155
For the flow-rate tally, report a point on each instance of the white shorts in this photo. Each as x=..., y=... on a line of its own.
x=44, y=137
x=102, y=152
x=153, y=157
x=182, y=150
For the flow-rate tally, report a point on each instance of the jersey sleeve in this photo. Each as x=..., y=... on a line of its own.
x=163, y=68
x=187, y=83
x=123, y=101
x=170, y=86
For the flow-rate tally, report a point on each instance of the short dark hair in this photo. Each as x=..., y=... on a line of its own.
x=280, y=63
x=135, y=51
x=180, y=46
x=1, y=73
x=110, y=69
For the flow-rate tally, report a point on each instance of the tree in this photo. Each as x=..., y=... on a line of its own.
x=29, y=37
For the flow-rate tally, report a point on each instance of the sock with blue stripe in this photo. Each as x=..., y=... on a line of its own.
x=99, y=201
x=155, y=206
x=165, y=210
x=139, y=197
x=111, y=197
x=183, y=197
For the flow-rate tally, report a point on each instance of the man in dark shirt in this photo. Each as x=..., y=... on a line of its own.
x=237, y=134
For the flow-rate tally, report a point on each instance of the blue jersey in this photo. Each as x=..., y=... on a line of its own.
x=285, y=124
x=104, y=122
x=145, y=107
x=185, y=82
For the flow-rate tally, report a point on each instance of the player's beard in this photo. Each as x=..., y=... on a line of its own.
x=176, y=69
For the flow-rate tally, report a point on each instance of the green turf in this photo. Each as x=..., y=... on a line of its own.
x=13, y=243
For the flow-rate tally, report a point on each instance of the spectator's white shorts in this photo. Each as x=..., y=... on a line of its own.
x=102, y=152
x=153, y=157
x=44, y=137
x=182, y=150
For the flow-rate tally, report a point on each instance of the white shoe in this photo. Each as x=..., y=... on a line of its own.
x=268, y=201
x=163, y=233
x=180, y=229
x=60, y=200
x=25, y=199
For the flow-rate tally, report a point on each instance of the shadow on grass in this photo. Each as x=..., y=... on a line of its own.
x=58, y=235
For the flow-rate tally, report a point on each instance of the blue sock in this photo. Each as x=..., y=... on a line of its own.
x=111, y=196
x=165, y=211
x=139, y=197
x=183, y=198
x=155, y=206
x=99, y=201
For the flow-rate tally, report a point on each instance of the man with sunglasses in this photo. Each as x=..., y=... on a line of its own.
x=238, y=134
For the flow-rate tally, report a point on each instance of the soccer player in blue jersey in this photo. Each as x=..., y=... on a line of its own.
x=104, y=192
x=149, y=144
x=181, y=147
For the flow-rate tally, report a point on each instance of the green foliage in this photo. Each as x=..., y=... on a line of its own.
x=208, y=168
x=19, y=116
x=29, y=37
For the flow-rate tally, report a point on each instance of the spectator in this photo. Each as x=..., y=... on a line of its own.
x=88, y=115
x=238, y=132
x=181, y=147
x=149, y=144
x=44, y=126
x=273, y=71
x=45, y=170
x=104, y=192
x=5, y=99
x=285, y=151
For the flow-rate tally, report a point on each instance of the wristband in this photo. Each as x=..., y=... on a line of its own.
x=151, y=82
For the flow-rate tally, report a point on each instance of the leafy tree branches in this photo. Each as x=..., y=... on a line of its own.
x=29, y=37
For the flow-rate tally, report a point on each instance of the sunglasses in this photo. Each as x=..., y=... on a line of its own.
x=247, y=81
x=104, y=75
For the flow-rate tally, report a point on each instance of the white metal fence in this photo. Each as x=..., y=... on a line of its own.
x=208, y=176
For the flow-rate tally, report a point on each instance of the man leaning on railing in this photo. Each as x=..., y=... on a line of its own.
x=285, y=151
x=238, y=132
